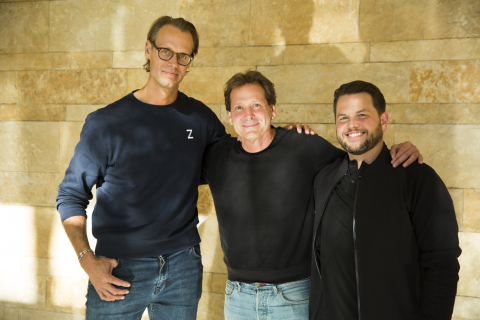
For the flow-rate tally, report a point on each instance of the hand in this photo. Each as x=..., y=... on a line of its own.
x=299, y=127
x=99, y=271
x=403, y=151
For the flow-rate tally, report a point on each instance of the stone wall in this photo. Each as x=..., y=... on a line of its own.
x=60, y=60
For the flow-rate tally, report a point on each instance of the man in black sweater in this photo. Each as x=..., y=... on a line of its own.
x=262, y=188
x=385, y=239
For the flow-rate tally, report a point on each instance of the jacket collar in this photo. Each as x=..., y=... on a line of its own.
x=383, y=158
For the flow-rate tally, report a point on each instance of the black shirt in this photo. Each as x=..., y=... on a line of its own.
x=337, y=257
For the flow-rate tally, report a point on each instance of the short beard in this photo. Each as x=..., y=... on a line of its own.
x=372, y=140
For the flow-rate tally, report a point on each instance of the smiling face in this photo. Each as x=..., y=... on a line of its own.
x=169, y=74
x=359, y=127
x=250, y=115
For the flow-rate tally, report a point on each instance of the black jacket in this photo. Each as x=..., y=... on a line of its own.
x=405, y=241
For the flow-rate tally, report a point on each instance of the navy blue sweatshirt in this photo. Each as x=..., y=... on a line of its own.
x=145, y=161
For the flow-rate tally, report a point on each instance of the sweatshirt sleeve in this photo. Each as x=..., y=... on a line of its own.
x=436, y=230
x=322, y=151
x=89, y=162
x=216, y=129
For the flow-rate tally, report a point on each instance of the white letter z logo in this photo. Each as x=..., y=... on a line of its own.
x=190, y=134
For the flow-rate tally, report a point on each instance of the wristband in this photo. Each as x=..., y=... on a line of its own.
x=84, y=252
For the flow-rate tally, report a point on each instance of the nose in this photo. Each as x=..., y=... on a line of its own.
x=353, y=123
x=249, y=113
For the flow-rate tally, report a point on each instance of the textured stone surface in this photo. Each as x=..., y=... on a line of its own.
x=129, y=59
x=53, y=61
x=69, y=137
x=48, y=112
x=449, y=149
x=24, y=27
x=327, y=53
x=29, y=146
x=8, y=313
x=435, y=113
x=467, y=308
x=239, y=56
x=304, y=21
x=20, y=290
x=205, y=204
x=232, y=18
x=29, y=188
x=389, y=20
x=112, y=25
x=72, y=86
x=66, y=295
x=210, y=306
x=207, y=282
x=14, y=262
x=471, y=218
x=219, y=281
x=27, y=314
x=79, y=113
x=206, y=83
x=457, y=198
x=317, y=83
x=304, y=113
x=212, y=255
x=65, y=268
x=444, y=49
x=445, y=81
x=8, y=87
x=136, y=79
x=469, y=283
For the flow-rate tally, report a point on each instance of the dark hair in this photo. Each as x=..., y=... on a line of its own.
x=241, y=79
x=179, y=23
x=360, y=86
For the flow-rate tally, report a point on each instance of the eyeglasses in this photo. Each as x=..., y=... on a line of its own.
x=166, y=54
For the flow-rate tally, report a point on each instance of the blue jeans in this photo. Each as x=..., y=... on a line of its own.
x=258, y=301
x=169, y=285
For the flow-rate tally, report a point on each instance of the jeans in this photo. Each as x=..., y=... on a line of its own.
x=258, y=301
x=169, y=285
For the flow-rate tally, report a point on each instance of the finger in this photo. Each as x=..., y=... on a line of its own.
x=306, y=128
x=420, y=159
x=105, y=295
x=393, y=151
x=119, y=282
x=299, y=127
x=400, y=158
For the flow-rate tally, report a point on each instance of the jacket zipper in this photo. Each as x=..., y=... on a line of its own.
x=355, y=247
x=319, y=222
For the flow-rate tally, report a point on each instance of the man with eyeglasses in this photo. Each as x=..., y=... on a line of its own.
x=143, y=153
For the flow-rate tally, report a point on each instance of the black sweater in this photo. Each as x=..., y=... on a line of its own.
x=405, y=241
x=145, y=161
x=264, y=204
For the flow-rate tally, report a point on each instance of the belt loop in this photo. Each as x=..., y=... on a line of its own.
x=238, y=286
x=275, y=289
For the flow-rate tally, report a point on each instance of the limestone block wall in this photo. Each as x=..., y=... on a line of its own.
x=60, y=60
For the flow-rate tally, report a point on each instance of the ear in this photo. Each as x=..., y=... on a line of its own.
x=274, y=111
x=384, y=121
x=148, y=49
x=230, y=118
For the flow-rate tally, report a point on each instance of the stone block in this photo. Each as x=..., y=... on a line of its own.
x=418, y=50
x=8, y=87
x=206, y=83
x=8, y=313
x=136, y=79
x=28, y=314
x=72, y=86
x=445, y=81
x=458, y=201
x=24, y=27
x=54, y=61
x=69, y=137
x=217, y=109
x=31, y=227
x=219, y=281
x=469, y=283
x=80, y=112
x=391, y=20
x=453, y=156
x=435, y=113
x=29, y=188
x=471, y=217
x=207, y=282
x=317, y=83
x=29, y=146
x=205, y=204
x=129, y=59
x=112, y=25
x=304, y=22
x=210, y=306
x=239, y=56
x=212, y=255
x=66, y=295
x=47, y=112
x=304, y=113
x=21, y=290
x=65, y=268
x=231, y=21
x=327, y=53
x=466, y=308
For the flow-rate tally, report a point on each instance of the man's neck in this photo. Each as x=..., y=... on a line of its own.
x=257, y=145
x=369, y=156
x=154, y=94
